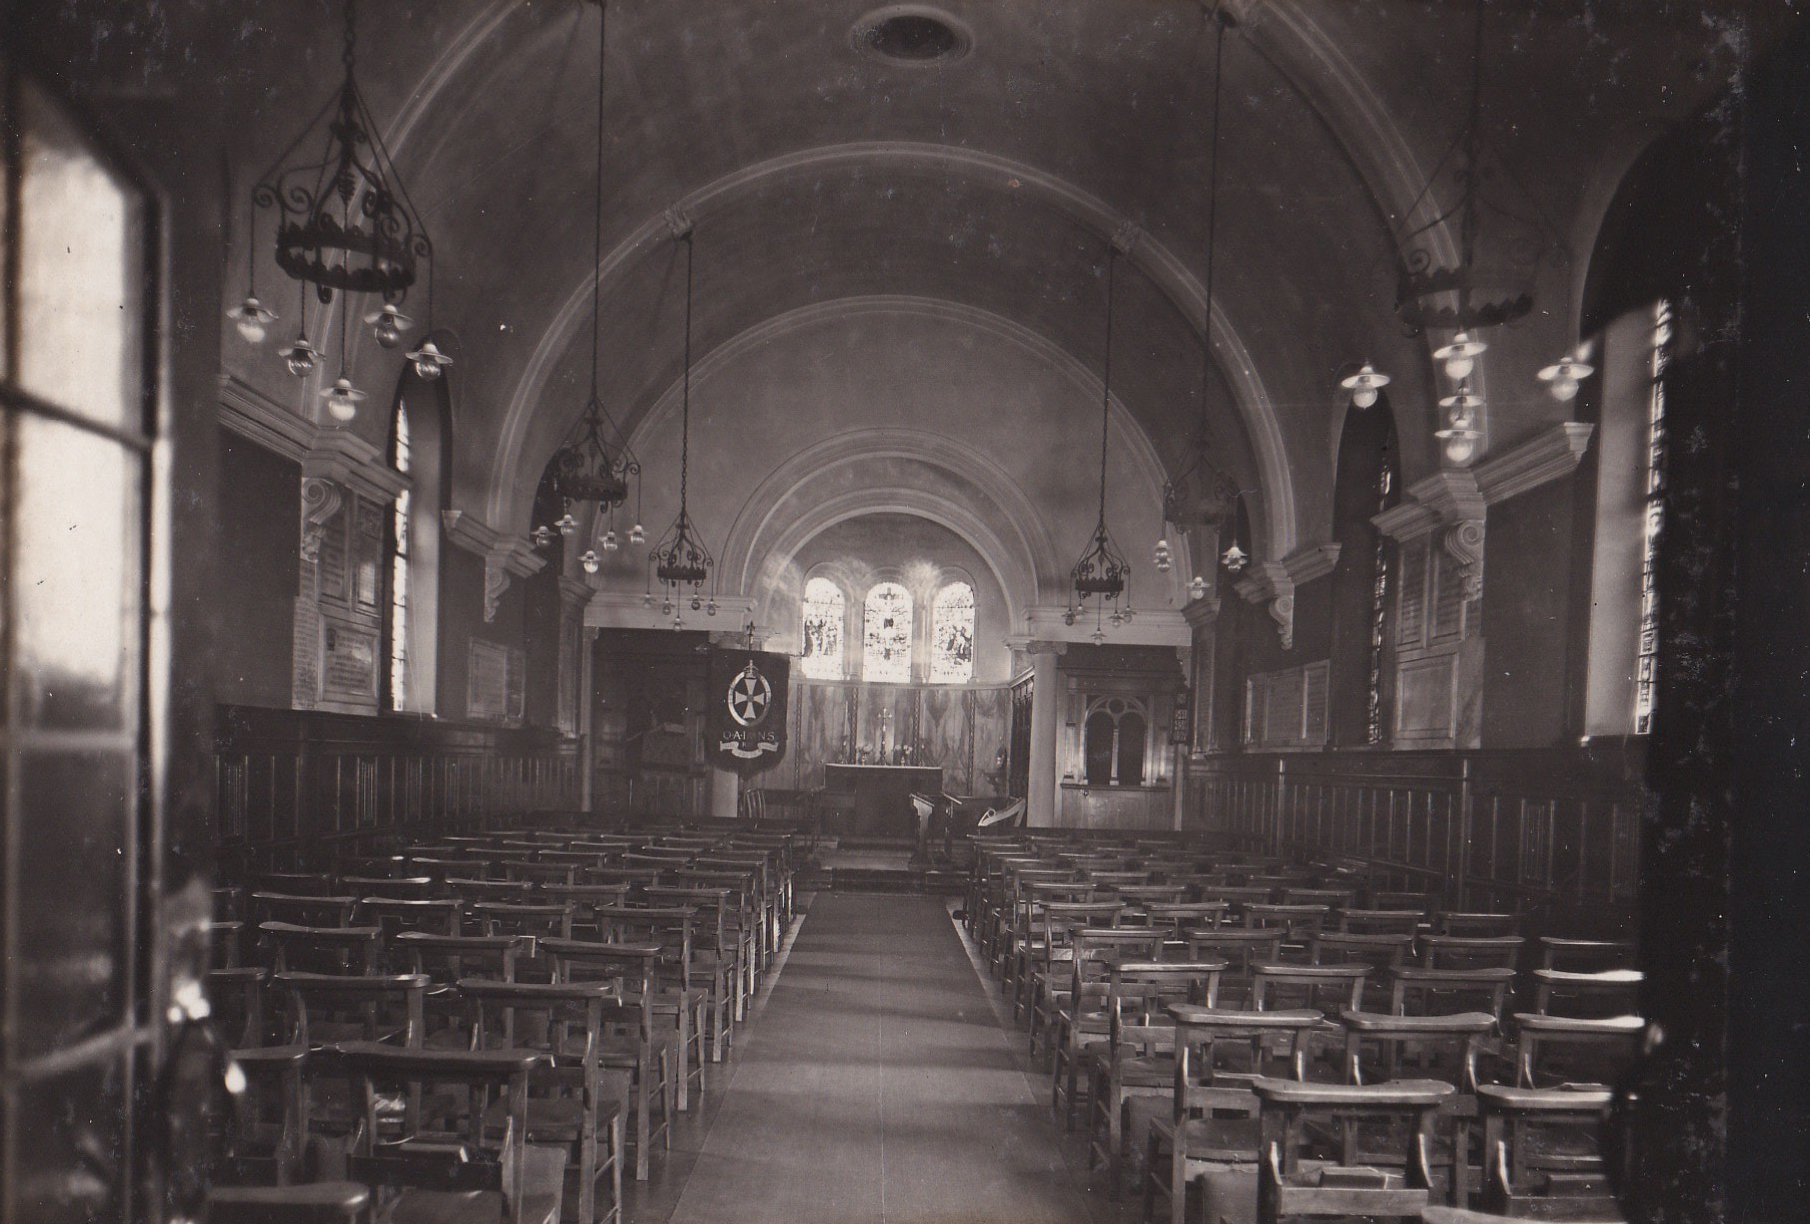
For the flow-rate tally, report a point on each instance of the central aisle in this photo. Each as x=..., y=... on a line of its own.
x=878, y=1086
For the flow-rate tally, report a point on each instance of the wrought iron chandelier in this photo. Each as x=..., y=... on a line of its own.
x=1102, y=574
x=594, y=462
x=345, y=224
x=680, y=560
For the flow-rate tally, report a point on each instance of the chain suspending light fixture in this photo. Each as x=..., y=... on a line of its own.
x=1102, y=573
x=594, y=462
x=680, y=560
x=1214, y=490
x=345, y=224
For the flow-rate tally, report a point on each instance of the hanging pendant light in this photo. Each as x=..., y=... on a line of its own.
x=680, y=558
x=1102, y=572
x=593, y=462
x=1562, y=378
x=1364, y=385
x=252, y=319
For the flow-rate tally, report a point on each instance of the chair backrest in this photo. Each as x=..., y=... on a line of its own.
x=1561, y=1050
x=1139, y=994
x=313, y=949
x=401, y=1147
x=1266, y=1043
x=1585, y=954
x=302, y=910
x=1179, y=918
x=540, y=872
x=1470, y=923
x=469, y=890
x=1383, y=953
x=549, y=920
x=394, y=915
x=1414, y=991
x=414, y=887
x=667, y=927
x=1378, y=921
x=1445, y=1048
x=1296, y=921
x=1353, y=1185
x=236, y=996
x=1331, y=988
x=1607, y=992
x=447, y=958
x=378, y=1003
x=1332, y=898
x=1471, y=951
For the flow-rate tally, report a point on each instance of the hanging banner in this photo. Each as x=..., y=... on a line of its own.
x=746, y=731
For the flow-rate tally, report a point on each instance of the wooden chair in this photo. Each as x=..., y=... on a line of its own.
x=1047, y=946
x=1291, y=1187
x=644, y=1049
x=1179, y=919
x=1078, y=1019
x=267, y=1128
x=716, y=954
x=1543, y=1155
x=1139, y=1057
x=675, y=993
x=550, y=920
x=1446, y=1048
x=569, y=1103
x=1298, y=923
x=1212, y=1128
x=1562, y=1051
x=444, y=959
x=1586, y=954
x=424, y=1166
x=1242, y=950
x=1331, y=988
x=538, y=872
x=1385, y=954
x=402, y=888
x=237, y=999
x=395, y=915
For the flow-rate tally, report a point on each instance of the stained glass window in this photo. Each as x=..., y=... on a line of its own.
x=886, y=635
x=399, y=566
x=952, y=635
x=824, y=609
x=1646, y=677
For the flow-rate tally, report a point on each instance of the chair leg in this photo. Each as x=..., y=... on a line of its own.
x=644, y=1126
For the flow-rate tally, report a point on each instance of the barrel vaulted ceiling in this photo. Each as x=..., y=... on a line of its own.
x=817, y=173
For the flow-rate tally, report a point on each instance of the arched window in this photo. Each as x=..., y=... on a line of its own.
x=886, y=635
x=825, y=610
x=952, y=635
x=400, y=458
x=1113, y=748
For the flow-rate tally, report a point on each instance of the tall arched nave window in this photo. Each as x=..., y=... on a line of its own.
x=825, y=609
x=952, y=635
x=886, y=635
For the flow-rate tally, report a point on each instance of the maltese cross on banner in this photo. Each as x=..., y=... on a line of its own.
x=748, y=716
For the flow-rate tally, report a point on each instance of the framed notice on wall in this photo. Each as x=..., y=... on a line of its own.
x=494, y=682
x=1181, y=719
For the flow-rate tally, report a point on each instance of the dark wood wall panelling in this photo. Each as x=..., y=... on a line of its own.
x=301, y=781
x=1555, y=831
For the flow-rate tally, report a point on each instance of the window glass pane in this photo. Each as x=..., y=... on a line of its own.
x=886, y=640
x=1099, y=748
x=71, y=1130
x=79, y=274
x=73, y=909
x=952, y=635
x=1131, y=749
x=824, y=611
x=77, y=592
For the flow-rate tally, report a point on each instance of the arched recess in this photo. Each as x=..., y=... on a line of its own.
x=505, y=501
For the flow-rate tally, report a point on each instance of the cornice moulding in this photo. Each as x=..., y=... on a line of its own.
x=1547, y=456
x=1313, y=561
x=345, y=458
x=251, y=414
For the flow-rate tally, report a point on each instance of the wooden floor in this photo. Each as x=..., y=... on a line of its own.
x=877, y=1084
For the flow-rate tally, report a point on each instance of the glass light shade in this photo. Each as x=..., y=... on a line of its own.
x=647, y=600
x=342, y=399
x=590, y=561
x=710, y=608
x=696, y=603
x=1197, y=587
x=609, y=542
x=566, y=524
x=542, y=536
x=1234, y=558
x=388, y=323
x=429, y=361
x=637, y=534
x=301, y=357
x=1460, y=355
x=1364, y=384
x=1098, y=638
x=1068, y=616
x=1117, y=618
x=1563, y=377
x=252, y=319
x=1128, y=613
x=1459, y=448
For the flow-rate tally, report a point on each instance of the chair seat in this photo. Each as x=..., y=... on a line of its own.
x=1225, y=1140
x=1145, y=1072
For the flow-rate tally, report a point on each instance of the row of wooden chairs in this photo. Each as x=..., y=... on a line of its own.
x=1229, y=1027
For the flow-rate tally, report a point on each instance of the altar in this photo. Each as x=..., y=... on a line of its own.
x=878, y=797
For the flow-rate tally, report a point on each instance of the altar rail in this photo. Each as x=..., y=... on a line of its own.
x=290, y=778
x=1553, y=832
